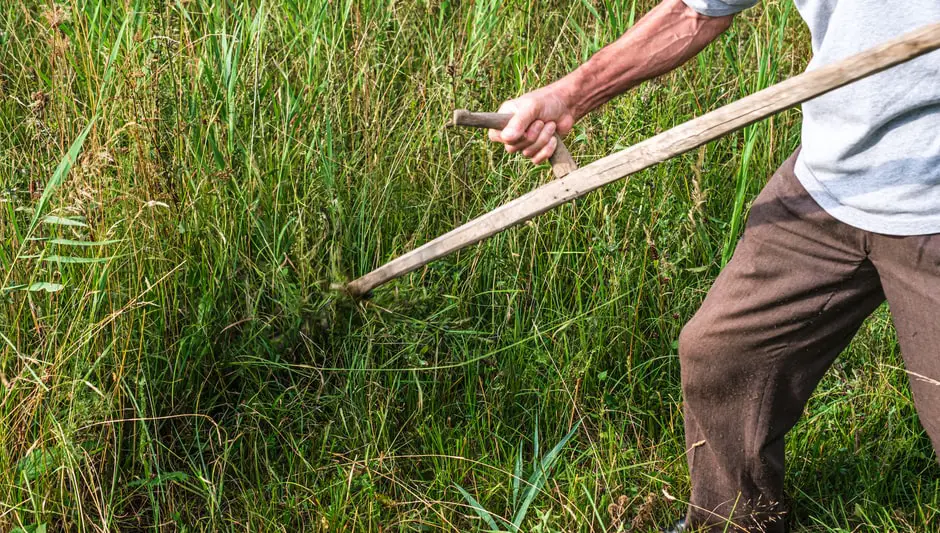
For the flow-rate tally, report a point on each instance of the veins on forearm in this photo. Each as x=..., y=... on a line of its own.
x=662, y=40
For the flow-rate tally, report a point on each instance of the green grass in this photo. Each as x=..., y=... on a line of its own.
x=184, y=366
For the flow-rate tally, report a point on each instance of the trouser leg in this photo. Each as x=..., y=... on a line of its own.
x=909, y=268
x=794, y=294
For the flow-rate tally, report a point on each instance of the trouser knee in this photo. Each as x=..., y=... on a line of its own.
x=699, y=345
x=709, y=361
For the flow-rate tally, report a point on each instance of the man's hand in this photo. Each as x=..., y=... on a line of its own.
x=537, y=116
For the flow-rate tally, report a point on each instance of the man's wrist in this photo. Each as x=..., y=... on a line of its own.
x=570, y=90
x=588, y=86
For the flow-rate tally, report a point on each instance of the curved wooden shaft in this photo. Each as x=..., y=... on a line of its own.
x=656, y=149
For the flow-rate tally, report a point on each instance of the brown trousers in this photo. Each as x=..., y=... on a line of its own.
x=790, y=300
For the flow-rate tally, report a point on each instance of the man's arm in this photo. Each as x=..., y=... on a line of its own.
x=663, y=39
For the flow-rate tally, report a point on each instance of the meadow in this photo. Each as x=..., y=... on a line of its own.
x=181, y=181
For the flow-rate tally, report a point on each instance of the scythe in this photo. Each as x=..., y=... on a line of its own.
x=573, y=182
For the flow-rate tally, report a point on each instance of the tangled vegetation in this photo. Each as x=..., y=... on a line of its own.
x=182, y=180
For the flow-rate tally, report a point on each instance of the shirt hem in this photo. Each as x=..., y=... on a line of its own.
x=712, y=11
x=885, y=225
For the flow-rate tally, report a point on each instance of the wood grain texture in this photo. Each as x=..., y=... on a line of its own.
x=561, y=160
x=656, y=149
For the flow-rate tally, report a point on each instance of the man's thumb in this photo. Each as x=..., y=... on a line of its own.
x=518, y=124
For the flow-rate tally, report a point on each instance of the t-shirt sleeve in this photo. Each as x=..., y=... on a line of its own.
x=719, y=8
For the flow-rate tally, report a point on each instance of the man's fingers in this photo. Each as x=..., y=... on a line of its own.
x=546, y=151
x=544, y=136
x=509, y=106
x=530, y=136
x=521, y=120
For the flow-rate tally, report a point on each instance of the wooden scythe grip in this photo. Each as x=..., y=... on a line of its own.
x=562, y=162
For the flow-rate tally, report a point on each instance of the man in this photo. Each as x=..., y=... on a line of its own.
x=851, y=218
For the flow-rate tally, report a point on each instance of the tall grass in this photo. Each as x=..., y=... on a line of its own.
x=182, y=181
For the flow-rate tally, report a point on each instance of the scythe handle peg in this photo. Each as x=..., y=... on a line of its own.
x=562, y=162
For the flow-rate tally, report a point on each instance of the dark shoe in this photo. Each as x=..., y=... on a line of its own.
x=679, y=527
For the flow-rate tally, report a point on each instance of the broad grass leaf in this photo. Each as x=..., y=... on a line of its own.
x=76, y=260
x=517, y=477
x=62, y=221
x=39, y=462
x=61, y=171
x=540, y=476
x=73, y=242
x=480, y=511
x=32, y=528
x=47, y=286
x=160, y=479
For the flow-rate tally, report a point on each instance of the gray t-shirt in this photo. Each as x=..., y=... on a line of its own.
x=871, y=150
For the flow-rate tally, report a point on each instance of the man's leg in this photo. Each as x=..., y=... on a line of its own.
x=910, y=273
x=793, y=296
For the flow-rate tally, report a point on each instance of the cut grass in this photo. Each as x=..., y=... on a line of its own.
x=193, y=372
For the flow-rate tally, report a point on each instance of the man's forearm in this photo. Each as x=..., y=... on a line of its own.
x=663, y=39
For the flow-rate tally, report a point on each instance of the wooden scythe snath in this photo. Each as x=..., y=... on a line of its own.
x=666, y=145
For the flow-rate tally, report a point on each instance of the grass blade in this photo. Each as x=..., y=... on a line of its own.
x=478, y=509
x=73, y=242
x=539, y=477
x=62, y=221
x=47, y=286
x=517, y=477
x=76, y=260
x=61, y=171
